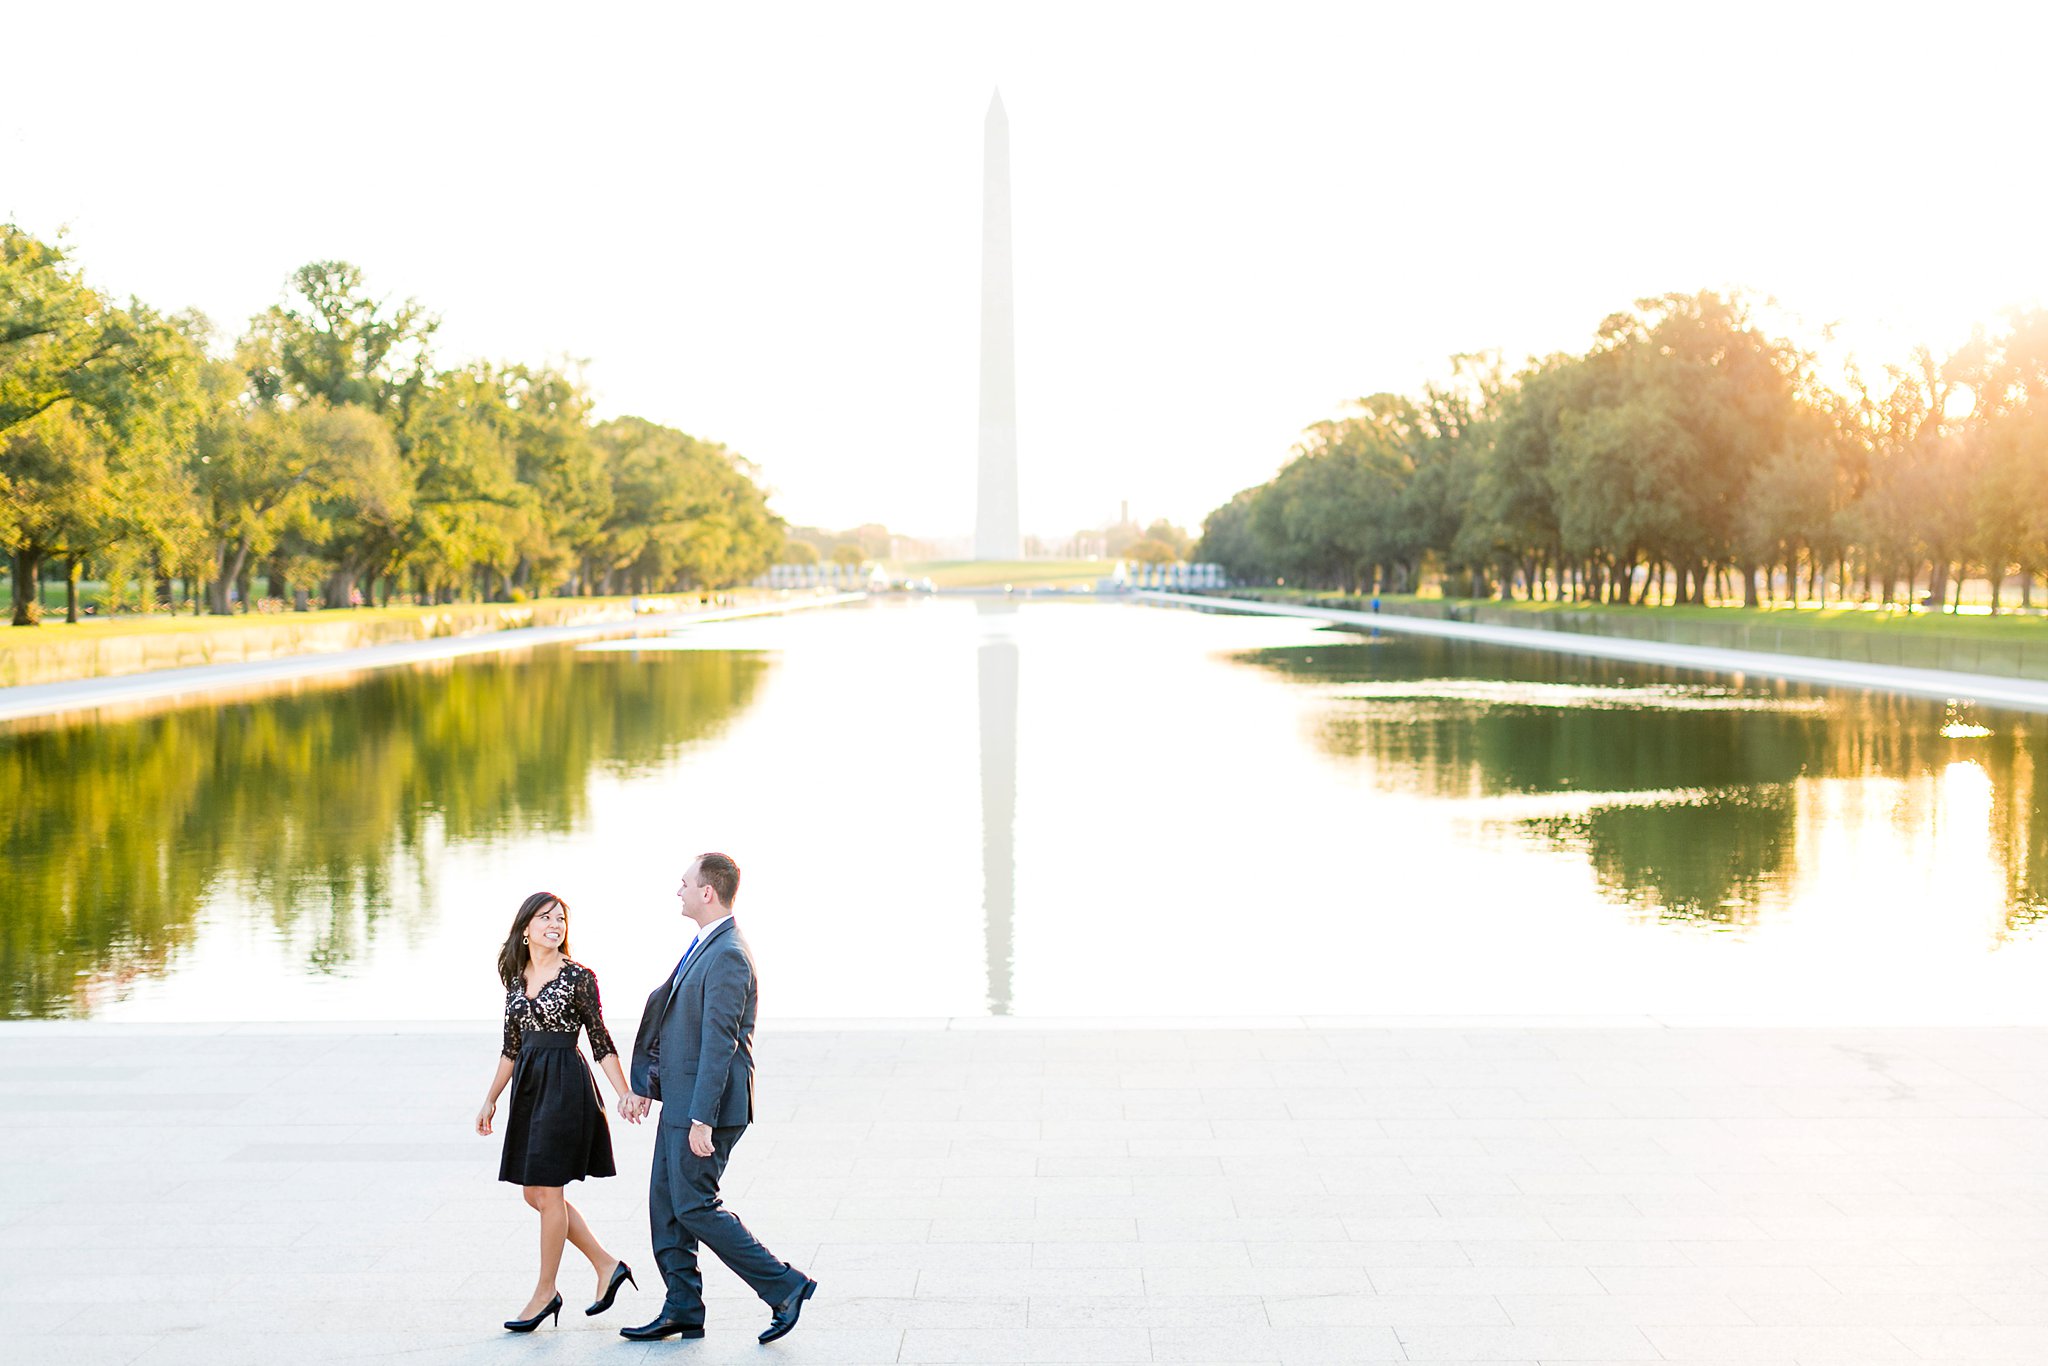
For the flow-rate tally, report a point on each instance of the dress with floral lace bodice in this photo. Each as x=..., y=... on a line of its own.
x=563, y=1005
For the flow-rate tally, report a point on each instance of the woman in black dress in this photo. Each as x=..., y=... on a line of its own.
x=556, y=1133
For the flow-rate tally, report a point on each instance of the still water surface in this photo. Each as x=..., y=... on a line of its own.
x=950, y=807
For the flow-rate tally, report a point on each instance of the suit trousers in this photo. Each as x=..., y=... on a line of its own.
x=683, y=1210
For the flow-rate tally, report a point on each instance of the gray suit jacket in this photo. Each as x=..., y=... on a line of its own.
x=704, y=1035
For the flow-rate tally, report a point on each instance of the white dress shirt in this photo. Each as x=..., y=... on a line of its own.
x=705, y=933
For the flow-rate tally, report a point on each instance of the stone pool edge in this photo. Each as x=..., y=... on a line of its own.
x=33, y=701
x=2020, y=694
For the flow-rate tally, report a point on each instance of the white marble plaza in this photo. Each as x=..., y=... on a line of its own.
x=229, y=1194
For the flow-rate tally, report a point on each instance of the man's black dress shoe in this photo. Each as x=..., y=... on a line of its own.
x=663, y=1328
x=786, y=1312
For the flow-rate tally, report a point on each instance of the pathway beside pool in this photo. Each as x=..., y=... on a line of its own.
x=156, y=686
x=1993, y=690
x=249, y=1193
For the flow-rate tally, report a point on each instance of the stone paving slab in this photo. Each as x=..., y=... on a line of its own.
x=1530, y=1194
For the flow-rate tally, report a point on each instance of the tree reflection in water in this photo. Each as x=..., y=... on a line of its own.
x=1681, y=791
x=305, y=806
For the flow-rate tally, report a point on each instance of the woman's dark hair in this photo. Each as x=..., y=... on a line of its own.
x=513, y=958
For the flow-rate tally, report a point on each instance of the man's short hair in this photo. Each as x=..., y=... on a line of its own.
x=722, y=875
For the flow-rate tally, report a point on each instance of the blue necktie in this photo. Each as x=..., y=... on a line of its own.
x=677, y=980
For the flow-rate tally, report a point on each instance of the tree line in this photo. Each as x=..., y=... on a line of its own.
x=1688, y=455
x=327, y=455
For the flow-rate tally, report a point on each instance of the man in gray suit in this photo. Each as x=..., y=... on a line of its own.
x=695, y=1054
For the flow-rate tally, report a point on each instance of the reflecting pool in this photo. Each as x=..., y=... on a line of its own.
x=963, y=807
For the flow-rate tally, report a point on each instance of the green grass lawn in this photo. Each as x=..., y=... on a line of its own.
x=1016, y=573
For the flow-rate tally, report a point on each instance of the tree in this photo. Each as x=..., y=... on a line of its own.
x=1511, y=513
x=1447, y=448
x=1165, y=534
x=1916, y=509
x=557, y=457
x=329, y=448
x=1330, y=513
x=331, y=340
x=92, y=399
x=1229, y=539
x=1688, y=441
x=253, y=471
x=1620, y=478
x=729, y=534
x=1150, y=550
x=467, y=498
x=362, y=506
x=60, y=498
x=686, y=513
x=2009, y=416
x=1790, y=508
x=1691, y=399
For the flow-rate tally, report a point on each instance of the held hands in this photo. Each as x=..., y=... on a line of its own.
x=634, y=1108
x=483, y=1118
x=700, y=1139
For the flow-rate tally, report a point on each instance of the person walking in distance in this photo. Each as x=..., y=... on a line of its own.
x=695, y=1054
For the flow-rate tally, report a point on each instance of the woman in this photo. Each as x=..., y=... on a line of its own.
x=557, y=1131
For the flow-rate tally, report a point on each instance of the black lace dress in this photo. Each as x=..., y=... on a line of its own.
x=556, y=1132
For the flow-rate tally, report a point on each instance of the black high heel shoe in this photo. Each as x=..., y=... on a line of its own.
x=621, y=1272
x=553, y=1306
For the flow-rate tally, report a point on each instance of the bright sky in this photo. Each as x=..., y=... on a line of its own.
x=761, y=223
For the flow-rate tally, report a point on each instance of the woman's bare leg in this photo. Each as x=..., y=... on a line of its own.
x=586, y=1243
x=554, y=1227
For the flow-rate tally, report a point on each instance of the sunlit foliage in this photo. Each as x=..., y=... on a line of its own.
x=1688, y=455
x=326, y=459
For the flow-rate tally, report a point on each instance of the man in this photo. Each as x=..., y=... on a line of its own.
x=695, y=1054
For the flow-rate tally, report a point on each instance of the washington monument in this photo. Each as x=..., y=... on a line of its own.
x=995, y=518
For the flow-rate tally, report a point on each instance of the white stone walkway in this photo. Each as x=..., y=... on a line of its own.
x=234, y=1194
x=2022, y=694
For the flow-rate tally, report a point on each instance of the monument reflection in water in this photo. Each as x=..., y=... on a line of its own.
x=1041, y=809
x=996, y=692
